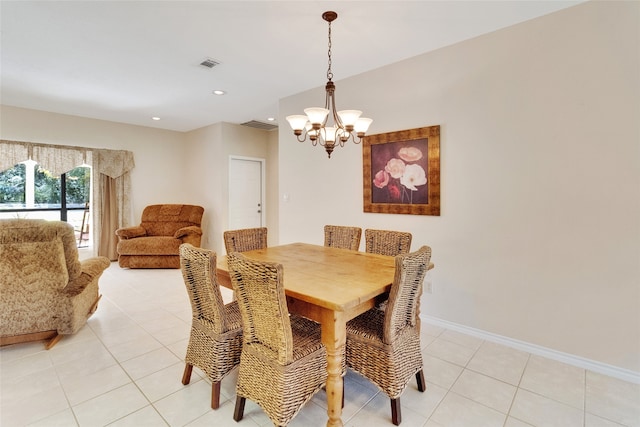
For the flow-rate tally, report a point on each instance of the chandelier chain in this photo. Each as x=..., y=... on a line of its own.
x=329, y=72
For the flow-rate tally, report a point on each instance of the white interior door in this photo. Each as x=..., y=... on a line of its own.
x=246, y=193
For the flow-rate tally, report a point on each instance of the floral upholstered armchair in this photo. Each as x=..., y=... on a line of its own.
x=155, y=243
x=45, y=291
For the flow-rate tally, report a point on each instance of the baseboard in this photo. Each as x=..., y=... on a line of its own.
x=570, y=359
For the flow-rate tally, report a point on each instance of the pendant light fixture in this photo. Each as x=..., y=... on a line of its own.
x=325, y=126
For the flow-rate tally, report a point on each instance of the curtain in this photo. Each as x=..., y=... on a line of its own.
x=112, y=189
x=109, y=213
x=110, y=176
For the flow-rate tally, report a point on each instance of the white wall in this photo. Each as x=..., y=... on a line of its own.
x=207, y=169
x=204, y=168
x=539, y=235
x=273, y=206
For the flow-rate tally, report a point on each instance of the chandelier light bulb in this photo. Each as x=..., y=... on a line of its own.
x=316, y=115
x=297, y=122
x=362, y=125
x=328, y=133
x=349, y=117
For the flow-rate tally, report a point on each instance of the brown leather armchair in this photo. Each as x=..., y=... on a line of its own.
x=155, y=243
x=45, y=290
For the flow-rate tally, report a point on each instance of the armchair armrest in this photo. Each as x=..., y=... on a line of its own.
x=91, y=268
x=186, y=231
x=131, y=232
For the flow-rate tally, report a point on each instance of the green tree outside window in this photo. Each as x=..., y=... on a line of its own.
x=47, y=191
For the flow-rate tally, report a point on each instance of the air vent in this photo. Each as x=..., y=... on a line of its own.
x=209, y=63
x=260, y=125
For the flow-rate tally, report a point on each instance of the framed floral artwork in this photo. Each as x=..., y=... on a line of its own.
x=401, y=172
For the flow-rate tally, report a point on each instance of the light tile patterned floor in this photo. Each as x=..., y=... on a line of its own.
x=125, y=367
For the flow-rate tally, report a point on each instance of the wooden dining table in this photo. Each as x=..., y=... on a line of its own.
x=330, y=286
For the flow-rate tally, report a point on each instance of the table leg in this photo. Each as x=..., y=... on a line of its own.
x=334, y=339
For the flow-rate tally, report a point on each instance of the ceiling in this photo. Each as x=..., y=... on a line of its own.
x=128, y=61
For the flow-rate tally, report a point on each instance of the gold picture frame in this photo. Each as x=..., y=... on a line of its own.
x=401, y=172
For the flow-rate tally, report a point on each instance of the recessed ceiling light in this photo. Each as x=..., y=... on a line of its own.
x=155, y=118
x=219, y=92
x=271, y=119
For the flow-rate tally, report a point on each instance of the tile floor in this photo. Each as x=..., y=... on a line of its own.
x=124, y=369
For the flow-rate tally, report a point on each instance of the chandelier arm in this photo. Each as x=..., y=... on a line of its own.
x=328, y=104
x=314, y=141
x=303, y=137
x=351, y=137
x=336, y=118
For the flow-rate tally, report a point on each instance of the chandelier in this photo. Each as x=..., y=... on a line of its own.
x=344, y=125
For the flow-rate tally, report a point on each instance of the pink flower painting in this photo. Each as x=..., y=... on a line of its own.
x=400, y=172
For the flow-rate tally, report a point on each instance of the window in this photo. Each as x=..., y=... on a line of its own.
x=30, y=191
x=12, y=186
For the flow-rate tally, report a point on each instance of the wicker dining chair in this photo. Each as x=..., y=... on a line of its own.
x=387, y=242
x=338, y=236
x=384, y=346
x=246, y=239
x=283, y=362
x=215, y=342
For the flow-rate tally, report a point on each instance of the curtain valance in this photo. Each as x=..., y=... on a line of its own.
x=10, y=152
x=59, y=159
x=114, y=163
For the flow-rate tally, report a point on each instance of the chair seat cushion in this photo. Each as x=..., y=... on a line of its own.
x=369, y=325
x=150, y=245
x=306, y=336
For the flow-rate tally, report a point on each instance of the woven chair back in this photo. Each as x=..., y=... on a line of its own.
x=263, y=306
x=403, y=308
x=338, y=236
x=247, y=239
x=387, y=242
x=198, y=267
